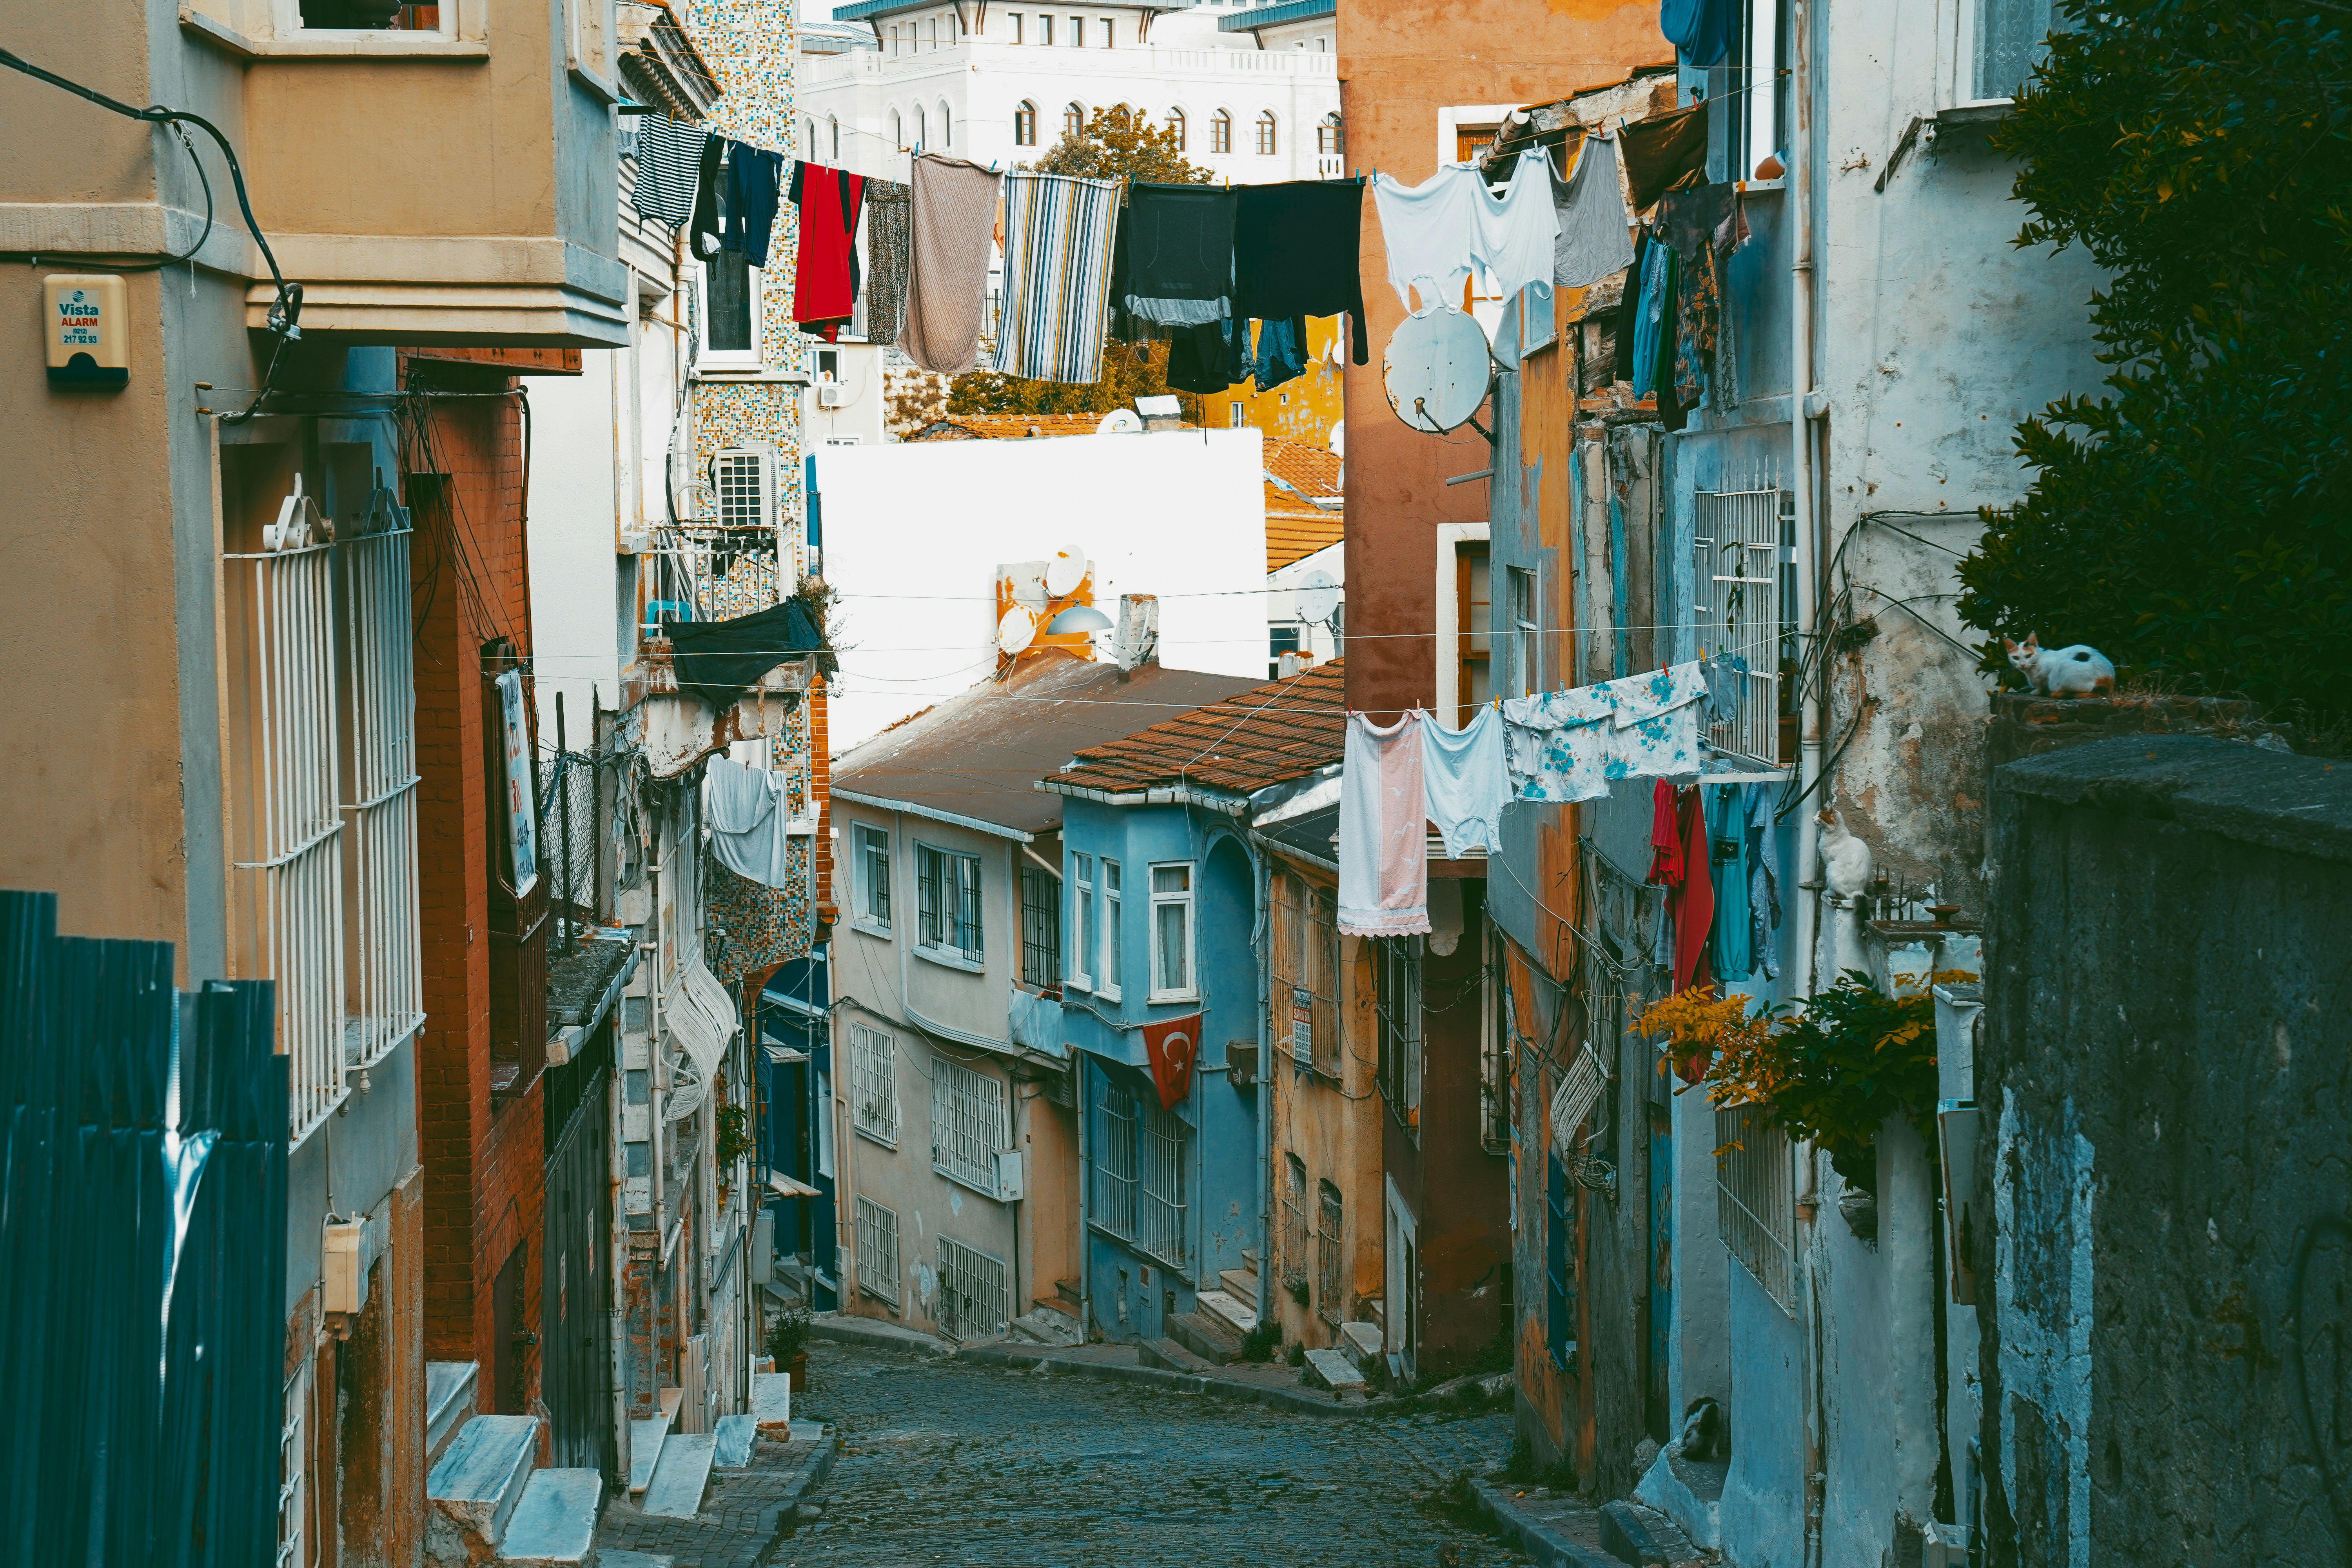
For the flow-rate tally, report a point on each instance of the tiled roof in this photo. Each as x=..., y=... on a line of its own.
x=1296, y=530
x=1269, y=734
x=1309, y=470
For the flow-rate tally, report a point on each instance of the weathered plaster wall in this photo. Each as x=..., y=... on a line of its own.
x=2165, y=1077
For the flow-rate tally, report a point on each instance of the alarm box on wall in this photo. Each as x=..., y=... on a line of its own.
x=88, y=331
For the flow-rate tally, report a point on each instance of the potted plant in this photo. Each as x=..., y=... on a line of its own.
x=788, y=1343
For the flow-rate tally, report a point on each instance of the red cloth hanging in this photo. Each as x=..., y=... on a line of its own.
x=1691, y=904
x=825, y=283
x=1666, y=837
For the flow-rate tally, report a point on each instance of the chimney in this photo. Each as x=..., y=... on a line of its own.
x=1288, y=664
x=1137, y=641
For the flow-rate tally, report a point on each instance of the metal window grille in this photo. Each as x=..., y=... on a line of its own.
x=947, y=886
x=1495, y=1039
x=973, y=1292
x=1140, y=1174
x=1294, y=1219
x=1115, y=1162
x=1736, y=581
x=1328, y=1301
x=877, y=1250
x=382, y=964
x=293, y=1490
x=1755, y=1199
x=567, y=840
x=874, y=1083
x=967, y=1123
x=1399, y=1007
x=874, y=872
x=1041, y=928
x=290, y=914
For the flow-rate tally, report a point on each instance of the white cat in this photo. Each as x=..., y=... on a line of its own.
x=2081, y=670
x=1845, y=860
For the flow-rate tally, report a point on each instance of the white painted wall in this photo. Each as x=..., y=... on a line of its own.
x=914, y=534
x=1282, y=598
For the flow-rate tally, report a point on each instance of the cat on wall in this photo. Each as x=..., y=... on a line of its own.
x=2081, y=670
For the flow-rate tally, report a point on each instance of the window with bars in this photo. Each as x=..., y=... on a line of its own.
x=1743, y=585
x=1755, y=1199
x=1397, y=975
x=293, y=1490
x=871, y=847
x=973, y=1298
x=1310, y=970
x=1329, y=1296
x=383, y=985
x=1495, y=1042
x=1295, y=1260
x=874, y=1083
x=946, y=889
x=967, y=1124
x=1041, y=928
x=877, y=1250
x=1140, y=1174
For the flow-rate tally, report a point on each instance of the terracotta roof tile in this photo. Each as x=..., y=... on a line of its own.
x=1007, y=427
x=1309, y=470
x=1295, y=530
x=1281, y=731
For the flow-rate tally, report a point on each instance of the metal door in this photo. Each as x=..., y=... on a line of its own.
x=576, y=1299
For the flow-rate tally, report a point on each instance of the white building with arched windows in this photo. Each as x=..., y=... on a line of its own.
x=1252, y=89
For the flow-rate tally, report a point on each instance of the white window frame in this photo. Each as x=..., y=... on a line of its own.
x=1527, y=635
x=873, y=1084
x=1190, y=989
x=968, y=1109
x=1265, y=135
x=947, y=125
x=1114, y=966
x=877, y=1239
x=864, y=842
x=723, y=361
x=1966, y=29
x=1083, y=904
x=825, y=1124
x=973, y=959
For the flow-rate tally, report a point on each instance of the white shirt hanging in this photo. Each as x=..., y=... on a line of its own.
x=1437, y=231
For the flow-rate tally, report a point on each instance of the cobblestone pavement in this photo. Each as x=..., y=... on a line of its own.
x=949, y=1462
x=742, y=1517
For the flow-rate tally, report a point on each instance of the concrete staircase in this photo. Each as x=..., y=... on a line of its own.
x=492, y=1503
x=1052, y=1321
x=452, y=1389
x=669, y=1470
x=1207, y=1335
x=645, y=1439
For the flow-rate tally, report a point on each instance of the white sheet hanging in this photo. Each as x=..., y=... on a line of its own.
x=1437, y=231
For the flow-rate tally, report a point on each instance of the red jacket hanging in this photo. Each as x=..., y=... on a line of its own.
x=825, y=283
x=1690, y=903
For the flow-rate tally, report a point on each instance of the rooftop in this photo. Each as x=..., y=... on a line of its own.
x=1269, y=734
x=1297, y=529
x=1276, y=14
x=978, y=756
x=1006, y=426
x=1305, y=469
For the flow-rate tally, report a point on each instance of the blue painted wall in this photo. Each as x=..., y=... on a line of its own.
x=792, y=1007
x=1222, y=1215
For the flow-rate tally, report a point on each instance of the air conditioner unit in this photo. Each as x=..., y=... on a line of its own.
x=352, y=1246
x=832, y=394
x=744, y=481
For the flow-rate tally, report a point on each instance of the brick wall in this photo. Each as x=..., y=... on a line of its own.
x=483, y=1177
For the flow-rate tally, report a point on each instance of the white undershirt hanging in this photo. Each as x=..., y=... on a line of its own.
x=1437, y=231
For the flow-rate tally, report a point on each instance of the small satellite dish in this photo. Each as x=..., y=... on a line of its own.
x=1318, y=596
x=1506, y=346
x=1338, y=437
x=1437, y=370
x=1165, y=406
x=1017, y=631
x=1119, y=422
x=1065, y=572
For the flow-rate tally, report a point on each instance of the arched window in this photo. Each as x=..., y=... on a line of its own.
x=1176, y=127
x=1024, y=125
x=947, y=126
x=835, y=120
x=1266, y=133
x=1074, y=120
x=918, y=125
x=1328, y=137
x=896, y=140
x=808, y=142
x=1221, y=132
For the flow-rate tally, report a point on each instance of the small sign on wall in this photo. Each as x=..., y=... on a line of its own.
x=87, y=327
x=523, y=815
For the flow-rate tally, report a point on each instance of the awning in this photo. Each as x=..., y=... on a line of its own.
x=784, y=1187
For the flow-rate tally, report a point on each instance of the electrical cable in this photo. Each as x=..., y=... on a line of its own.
x=286, y=310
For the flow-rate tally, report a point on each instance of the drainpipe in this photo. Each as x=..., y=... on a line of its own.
x=1262, y=938
x=1086, y=1186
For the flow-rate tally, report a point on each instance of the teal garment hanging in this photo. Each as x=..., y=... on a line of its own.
x=1728, y=863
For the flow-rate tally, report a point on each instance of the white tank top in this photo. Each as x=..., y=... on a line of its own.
x=1436, y=230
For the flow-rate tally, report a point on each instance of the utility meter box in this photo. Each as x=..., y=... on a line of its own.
x=88, y=327
x=352, y=1245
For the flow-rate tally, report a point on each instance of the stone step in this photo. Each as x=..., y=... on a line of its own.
x=1047, y=1326
x=1639, y=1535
x=476, y=1485
x=1238, y=1314
x=1067, y=1289
x=1329, y=1369
x=1210, y=1338
x=452, y=1389
x=1376, y=1312
x=1057, y=1303
x=771, y=1401
x=1249, y=1259
x=675, y=1490
x=1169, y=1356
x=1241, y=1284
x=554, y=1525
x=1361, y=1344
x=645, y=1439
x=737, y=1435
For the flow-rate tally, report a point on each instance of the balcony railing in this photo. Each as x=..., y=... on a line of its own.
x=1040, y=60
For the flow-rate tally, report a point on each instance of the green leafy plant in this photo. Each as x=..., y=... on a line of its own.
x=788, y=1336
x=1297, y=1354
x=1260, y=1343
x=2195, y=519
x=1297, y=1289
x=734, y=1134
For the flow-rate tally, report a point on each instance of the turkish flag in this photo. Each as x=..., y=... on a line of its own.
x=1172, y=1045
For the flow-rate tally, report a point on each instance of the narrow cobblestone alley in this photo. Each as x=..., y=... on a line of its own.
x=947, y=1462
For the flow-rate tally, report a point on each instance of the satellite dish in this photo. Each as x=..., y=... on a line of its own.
x=1065, y=572
x=1119, y=422
x=1017, y=631
x=1318, y=596
x=1437, y=370
x=1505, y=347
x=1338, y=437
